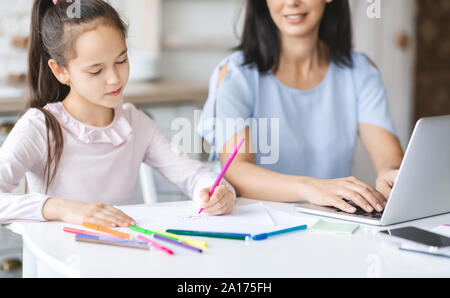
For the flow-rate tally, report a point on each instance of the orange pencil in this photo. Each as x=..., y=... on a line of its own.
x=106, y=230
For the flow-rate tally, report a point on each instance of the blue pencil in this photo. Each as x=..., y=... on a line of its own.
x=267, y=235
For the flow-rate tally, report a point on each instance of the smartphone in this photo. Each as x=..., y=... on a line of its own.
x=419, y=236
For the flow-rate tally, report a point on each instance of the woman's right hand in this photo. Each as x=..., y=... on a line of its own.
x=335, y=192
x=76, y=212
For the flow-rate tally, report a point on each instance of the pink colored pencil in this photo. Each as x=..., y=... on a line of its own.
x=224, y=170
x=155, y=244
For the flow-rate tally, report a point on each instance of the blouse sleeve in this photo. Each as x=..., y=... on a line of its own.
x=372, y=100
x=228, y=108
x=190, y=175
x=21, y=152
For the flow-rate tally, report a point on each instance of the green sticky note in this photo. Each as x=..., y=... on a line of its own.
x=335, y=228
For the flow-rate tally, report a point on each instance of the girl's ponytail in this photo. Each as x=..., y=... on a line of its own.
x=44, y=87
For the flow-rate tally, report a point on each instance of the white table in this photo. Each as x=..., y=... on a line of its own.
x=49, y=252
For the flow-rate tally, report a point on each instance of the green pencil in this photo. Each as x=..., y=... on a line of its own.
x=234, y=236
x=148, y=232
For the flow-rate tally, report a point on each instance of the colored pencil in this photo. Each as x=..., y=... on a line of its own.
x=108, y=231
x=111, y=241
x=197, y=243
x=77, y=231
x=235, y=236
x=267, y=235
x=179, y=243
x=156, y=245
x=224, y=170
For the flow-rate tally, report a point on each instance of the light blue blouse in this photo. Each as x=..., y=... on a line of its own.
x=308, y=133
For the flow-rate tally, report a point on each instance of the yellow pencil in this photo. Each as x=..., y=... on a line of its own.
x=193, y=242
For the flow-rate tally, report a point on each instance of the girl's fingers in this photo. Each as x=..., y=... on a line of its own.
x=220, y=202
x=204, y=194
x=218, y=208
x=104, y=222
x=110, y=218
x=121, y=219
x=219, y=192
x=229, y=210
x=217, y=205
x=223, y=209
x=120, y=215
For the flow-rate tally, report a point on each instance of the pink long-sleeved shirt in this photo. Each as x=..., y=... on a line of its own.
x=98, y=164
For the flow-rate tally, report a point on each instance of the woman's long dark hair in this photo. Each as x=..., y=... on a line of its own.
x=261, y=42
x=54, y=29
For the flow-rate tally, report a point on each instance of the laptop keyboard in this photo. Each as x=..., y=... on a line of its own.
x=360, y=211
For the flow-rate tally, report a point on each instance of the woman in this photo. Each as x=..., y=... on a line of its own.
x=295, y=64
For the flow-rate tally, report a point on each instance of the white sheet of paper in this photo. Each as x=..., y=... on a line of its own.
x=250, y=218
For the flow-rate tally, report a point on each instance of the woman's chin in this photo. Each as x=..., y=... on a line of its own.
x=305, y=28
x=297, y=31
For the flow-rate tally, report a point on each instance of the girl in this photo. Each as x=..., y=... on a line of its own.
x=78, y=145
x=295, y=63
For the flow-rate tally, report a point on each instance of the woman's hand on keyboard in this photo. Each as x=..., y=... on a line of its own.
x=385, y=182
x=335, y=192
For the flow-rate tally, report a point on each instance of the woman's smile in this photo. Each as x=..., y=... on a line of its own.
x=295, y=18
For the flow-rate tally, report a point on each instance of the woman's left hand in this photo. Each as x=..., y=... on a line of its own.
x=220, y=203
x=385, y=182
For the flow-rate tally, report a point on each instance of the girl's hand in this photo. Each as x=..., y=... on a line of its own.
x=335, y=192
x=76, y=212
x=385, y=182
x=221, y=202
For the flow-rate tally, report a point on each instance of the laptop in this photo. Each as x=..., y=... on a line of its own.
x=422, y=187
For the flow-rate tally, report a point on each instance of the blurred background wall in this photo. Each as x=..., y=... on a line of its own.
x=432, y=70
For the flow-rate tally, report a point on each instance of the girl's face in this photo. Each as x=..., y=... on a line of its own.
x=100, y=71
x=297, y=18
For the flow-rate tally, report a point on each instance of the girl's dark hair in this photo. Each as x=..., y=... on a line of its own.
x=54, y=30
x=261, y=42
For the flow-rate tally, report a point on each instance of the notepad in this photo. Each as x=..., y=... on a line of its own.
x=334, y=228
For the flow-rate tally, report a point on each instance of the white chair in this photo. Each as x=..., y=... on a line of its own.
x=148, y=186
